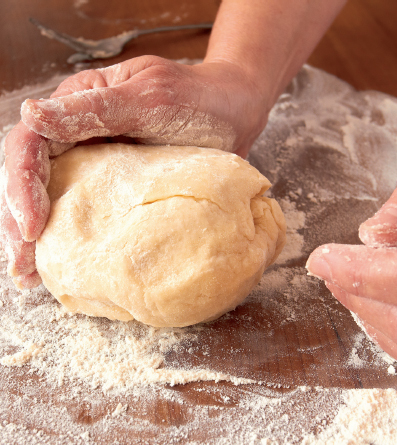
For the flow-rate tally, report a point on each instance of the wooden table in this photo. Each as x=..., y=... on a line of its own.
x=360, y=47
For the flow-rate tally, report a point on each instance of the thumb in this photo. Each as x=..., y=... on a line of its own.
x=381, y=229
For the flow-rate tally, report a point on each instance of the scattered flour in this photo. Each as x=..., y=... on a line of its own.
x=365, y=417
x=391, y=369
x=71, y=379
x=108, y=355
x=295, y=220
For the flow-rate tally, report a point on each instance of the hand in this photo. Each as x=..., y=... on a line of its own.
x=152, y=100
x=363, y=278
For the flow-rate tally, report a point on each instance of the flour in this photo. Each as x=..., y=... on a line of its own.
x=22, y=357
x=66, y=379
x=295, y=222
x=365, y=417
x=65, y=347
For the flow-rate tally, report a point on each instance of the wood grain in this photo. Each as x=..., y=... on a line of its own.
x=361, y=48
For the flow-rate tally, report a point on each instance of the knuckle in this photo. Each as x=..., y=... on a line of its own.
x=150, y=60
x=85, y=80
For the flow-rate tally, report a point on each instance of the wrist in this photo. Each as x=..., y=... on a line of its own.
x=244, y=104
x=269, y=40
x=237, y=41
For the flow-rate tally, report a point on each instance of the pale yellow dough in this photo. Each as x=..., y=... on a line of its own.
x=170, y=236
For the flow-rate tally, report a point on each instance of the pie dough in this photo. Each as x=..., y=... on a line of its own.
x=169, y=236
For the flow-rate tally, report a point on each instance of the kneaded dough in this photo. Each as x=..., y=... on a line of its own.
x=169, y=236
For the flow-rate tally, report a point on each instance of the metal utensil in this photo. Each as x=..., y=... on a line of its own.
x=105, y=48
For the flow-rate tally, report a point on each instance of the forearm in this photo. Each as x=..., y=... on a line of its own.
x=270, y=39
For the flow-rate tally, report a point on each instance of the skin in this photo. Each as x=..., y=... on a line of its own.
x=363, y=278
x=254, y=51
x=256, y=48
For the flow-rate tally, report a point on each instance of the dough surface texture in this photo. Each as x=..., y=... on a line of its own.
x=169, y=236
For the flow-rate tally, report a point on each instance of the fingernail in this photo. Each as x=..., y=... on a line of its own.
x=387, y=215
x=22, y=229
x=28, y=237
x=39, y=109
x=381, y=229
x=319, y=267
x=19, y=218
x=11, y=266
x=30, y=107
x=18, y=284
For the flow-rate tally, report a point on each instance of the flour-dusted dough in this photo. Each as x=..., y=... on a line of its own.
x=170, y=236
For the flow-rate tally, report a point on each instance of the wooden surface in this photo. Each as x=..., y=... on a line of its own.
x=361, y=48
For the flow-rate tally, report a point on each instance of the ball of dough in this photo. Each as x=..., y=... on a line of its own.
x=169, y=236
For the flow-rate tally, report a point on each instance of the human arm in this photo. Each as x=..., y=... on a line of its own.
x=255, y=49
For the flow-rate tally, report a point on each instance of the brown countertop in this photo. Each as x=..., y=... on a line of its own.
x=313, y=344
x=360, y=47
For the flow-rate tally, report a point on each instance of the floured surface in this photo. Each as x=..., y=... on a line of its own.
x=282, y=367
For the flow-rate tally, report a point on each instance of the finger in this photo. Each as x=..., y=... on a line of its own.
x=151, y=104
x=381, y=229
x=381, y=316
x=28, y=281
x=21, y=254
x=82, y=81
x=107, y=111
x=107, y=77
x=359, y=270
x=77, y=109
x=38, y=114
x=151, y=100
x=27, y=172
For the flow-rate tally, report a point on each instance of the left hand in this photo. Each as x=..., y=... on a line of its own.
x=364, y=278
x=153, y=100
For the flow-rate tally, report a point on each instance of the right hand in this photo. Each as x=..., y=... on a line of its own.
x=153, y=100
x=363, y=277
